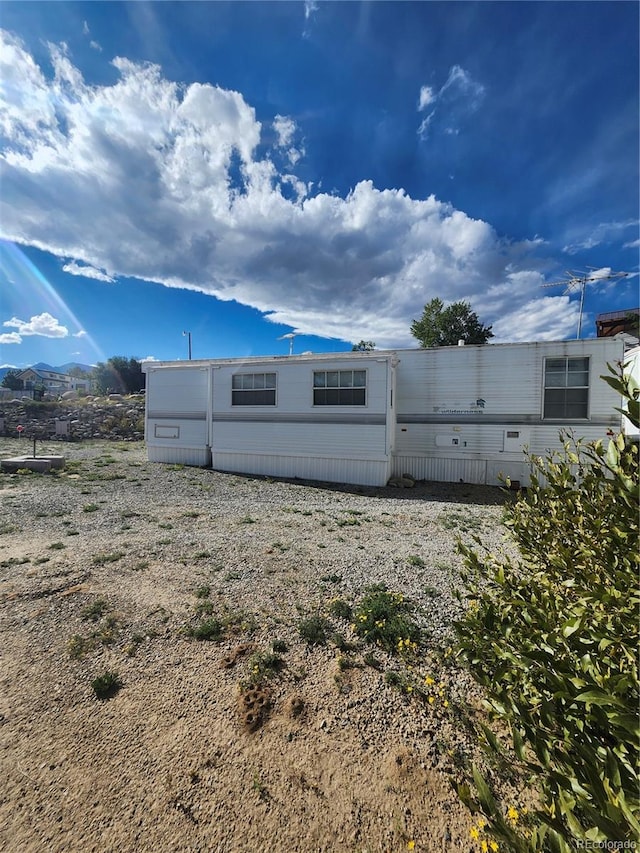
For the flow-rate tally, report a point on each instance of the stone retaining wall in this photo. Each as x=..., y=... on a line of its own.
x=115, y=418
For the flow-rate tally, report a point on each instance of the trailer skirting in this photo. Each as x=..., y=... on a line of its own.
x=363, y=472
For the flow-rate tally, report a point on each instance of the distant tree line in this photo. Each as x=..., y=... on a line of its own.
x=117, y=375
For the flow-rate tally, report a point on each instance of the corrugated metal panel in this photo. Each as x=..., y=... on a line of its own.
x=198, y=456
x=441, y=469
x=363, y=472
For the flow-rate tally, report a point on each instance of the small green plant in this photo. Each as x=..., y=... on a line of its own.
x=416, y=561
x=313, y=630
x=202, y=591
x=78, y=646
x=384, y=618
x=112, y=557
x=247, y=520
x=95, y=611
x=279, y=646
x=90, y=508
x=106, y=685
x=334, y=578
x=57, y=546
x=264, y=666
x=204, y=607
x=209, y=629
x=340, y=609
x=140, y=566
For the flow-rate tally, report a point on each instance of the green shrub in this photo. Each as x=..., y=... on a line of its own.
x=384, y=618
x=314, y=630
x=106, y=685
x=209, y=629
x=553, y=637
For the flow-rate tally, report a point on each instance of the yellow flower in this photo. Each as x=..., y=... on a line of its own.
x=512, y=814
x=445, y=703
x=494, y=846
x=429, y=681
x=473, y=832
x=409, y=689
x=411, y=844
x=484, y=846
x=432, y=699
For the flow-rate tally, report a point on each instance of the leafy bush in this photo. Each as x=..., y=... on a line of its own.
x=553, y=637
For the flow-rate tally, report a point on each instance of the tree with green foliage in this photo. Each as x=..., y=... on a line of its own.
x=553, y=638
x=443, y=327
x=11, y=380
x=118, y=375
x=363, y=346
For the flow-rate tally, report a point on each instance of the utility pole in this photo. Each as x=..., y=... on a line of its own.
x=188, y=335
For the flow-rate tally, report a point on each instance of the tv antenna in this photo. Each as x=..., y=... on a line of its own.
x=289, y=336
x=579, y=280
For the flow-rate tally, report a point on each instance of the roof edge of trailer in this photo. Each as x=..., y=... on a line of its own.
x=380, y=354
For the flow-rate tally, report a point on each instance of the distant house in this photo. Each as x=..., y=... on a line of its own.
x=614, y=322
x=45, y=380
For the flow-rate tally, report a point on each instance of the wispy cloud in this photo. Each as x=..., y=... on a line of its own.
x=87, y=271
x=602, y=233
x=149, y=179
x=458, y=97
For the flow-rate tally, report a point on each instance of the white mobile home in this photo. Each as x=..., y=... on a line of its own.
x=451, y=413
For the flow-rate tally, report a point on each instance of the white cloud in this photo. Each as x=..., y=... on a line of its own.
x=310, y=7
x=10, y=338
x=87, y=271
x=42, y=324
x=457, y=98
x=634, y=244
x=85, y=28
x=95, y=45
x=426, y=97
x=81, y=334
x=285, y=129
x=148, y=179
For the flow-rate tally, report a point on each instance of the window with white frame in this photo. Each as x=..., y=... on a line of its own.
x=566, y=388
x=253, y=389
x=339, y=387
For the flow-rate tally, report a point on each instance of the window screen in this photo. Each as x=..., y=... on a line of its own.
x=339, y=387
x=253, y=389
x=566, y=388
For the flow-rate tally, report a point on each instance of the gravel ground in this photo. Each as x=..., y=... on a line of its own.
x=105, y=567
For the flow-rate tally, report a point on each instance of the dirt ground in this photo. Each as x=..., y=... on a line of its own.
x=101, y=569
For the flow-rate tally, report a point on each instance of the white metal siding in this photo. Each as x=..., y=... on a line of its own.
x=360, y=472
x=196, y=456
x=334, y=441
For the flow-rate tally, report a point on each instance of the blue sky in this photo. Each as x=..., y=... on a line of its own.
x=246, y=170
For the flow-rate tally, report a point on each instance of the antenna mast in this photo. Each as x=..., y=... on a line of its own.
x=579, y=280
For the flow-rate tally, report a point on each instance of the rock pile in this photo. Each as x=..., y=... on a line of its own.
x=75, y=420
